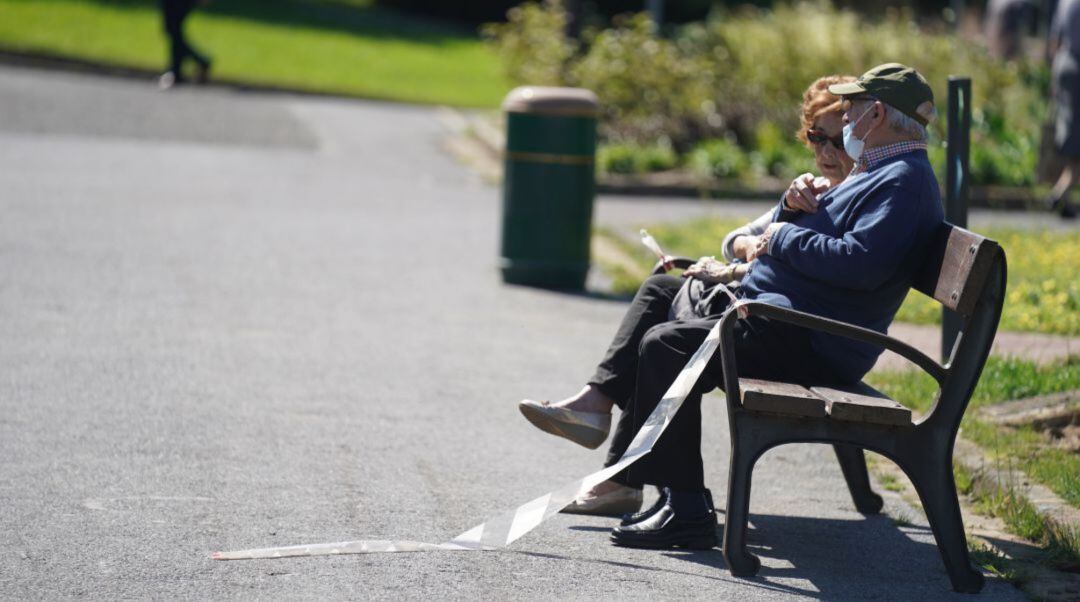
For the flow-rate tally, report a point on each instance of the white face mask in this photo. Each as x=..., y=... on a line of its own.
x=854, y=146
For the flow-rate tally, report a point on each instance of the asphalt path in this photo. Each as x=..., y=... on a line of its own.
x=231, y=320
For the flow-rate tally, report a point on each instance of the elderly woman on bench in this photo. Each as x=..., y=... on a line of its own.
x=820, y=131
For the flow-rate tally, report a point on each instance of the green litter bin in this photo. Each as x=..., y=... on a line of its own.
x=548, y=186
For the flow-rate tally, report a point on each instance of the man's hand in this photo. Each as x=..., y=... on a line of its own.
x=759, y=245
x=803, y=192
x=709, y=269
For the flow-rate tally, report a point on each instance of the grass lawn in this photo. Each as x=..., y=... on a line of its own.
x=1004, y=379
x=334, y=46
x=1024, y=448
x=1043, y=293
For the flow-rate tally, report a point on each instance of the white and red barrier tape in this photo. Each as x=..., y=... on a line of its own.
x=502, y=530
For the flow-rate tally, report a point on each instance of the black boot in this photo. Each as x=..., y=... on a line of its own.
x=685, y=520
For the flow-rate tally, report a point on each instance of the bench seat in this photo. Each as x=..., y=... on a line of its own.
x=858, y=403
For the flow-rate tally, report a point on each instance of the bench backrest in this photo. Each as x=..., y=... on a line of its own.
x=966, y=273
x=957, y=265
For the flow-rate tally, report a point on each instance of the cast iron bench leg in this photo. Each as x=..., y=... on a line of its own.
x=937, y=491
x=740, y=562
x=853, y=465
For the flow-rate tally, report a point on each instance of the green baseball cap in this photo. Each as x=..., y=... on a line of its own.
x=894, y=84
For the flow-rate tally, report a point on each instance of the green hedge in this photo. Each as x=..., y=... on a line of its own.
x=725, y=77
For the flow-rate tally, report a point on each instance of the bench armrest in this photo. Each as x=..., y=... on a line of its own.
x=813, y=322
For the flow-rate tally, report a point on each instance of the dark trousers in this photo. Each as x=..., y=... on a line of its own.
x=175, y=11
x=649, y=351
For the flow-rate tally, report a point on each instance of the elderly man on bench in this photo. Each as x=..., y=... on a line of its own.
x=849, y=254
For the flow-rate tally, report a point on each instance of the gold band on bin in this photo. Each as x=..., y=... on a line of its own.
x=550, y=158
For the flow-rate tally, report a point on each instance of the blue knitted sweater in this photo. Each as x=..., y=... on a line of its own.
x=855, y=259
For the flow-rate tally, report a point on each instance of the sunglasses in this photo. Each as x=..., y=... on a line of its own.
x=818, y=138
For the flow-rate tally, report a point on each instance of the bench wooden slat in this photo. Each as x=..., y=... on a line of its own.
x=863, y=403
x=957, y=281
x=781, y=398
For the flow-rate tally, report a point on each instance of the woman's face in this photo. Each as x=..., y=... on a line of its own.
x=832, y=161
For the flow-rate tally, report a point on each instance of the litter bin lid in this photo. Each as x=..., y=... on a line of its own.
x=544, y=100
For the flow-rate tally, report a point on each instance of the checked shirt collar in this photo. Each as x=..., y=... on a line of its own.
x=873, y=157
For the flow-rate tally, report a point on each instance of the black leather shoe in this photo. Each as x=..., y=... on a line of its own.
x=629, y=519
x=637, y=517
x=686, y=520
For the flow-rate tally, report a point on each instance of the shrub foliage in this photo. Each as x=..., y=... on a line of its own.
x=729, y=75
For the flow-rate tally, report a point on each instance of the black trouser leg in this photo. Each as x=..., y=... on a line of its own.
x=175, y=13
x=675, y=460
x=616, y=374
x=763, y=349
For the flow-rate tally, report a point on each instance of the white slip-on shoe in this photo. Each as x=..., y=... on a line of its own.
x=584, y=428
x=624, y=500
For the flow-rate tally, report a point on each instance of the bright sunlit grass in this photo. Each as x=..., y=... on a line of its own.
x=1042, y=294
x=1004, y=379
x=331, y=46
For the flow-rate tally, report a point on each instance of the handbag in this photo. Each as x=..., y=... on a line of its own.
x=695, y=300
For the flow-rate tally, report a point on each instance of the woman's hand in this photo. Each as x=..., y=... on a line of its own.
x=759, y=245
x=803, y=192
x=709, y=269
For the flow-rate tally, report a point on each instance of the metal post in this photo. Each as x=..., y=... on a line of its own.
x=958, y=149
x=656, y=11
x=573, y=10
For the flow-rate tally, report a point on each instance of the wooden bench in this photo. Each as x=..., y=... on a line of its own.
x=966, y=274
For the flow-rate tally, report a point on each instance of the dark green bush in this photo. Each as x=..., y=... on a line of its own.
x=1000, y=153
x=778, y=153
x=469, y=11
x=635, y=159
x=650, y=87
x=718, y=158
x=532, y=45
x=740, y=69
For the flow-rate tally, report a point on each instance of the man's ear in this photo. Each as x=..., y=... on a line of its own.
x=879, y=112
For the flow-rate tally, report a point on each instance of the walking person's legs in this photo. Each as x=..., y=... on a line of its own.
x=174, y=13
x=1059, y=196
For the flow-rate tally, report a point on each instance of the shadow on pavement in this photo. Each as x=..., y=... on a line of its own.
x=715, y=554
x=828, y=553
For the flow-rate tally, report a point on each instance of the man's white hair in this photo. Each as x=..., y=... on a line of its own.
x=901, y=123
